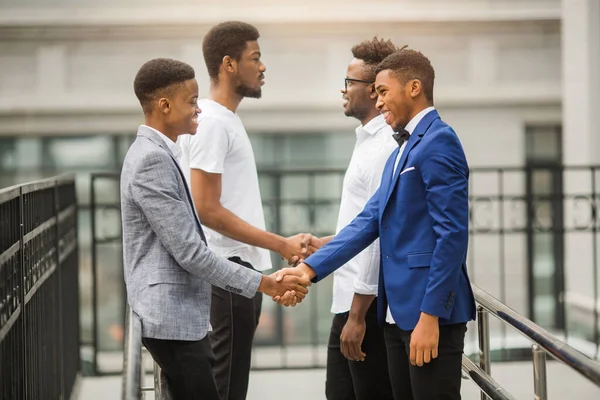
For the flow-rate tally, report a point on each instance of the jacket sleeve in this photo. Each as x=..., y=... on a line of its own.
x=350, y=241
x=155, y=189
x=445, y=174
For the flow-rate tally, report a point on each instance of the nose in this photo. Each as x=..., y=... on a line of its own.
x=379, y=103
x=262, y=67
x=198, y=110
x=343, y=91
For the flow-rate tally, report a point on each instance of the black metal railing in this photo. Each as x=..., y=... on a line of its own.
x=526, y=224
x=39, y=290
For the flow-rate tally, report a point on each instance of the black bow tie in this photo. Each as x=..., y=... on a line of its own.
x=401, y=136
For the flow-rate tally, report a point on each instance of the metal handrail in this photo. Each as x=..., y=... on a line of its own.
x=544, y=339
x=486, y=383
x=544, y=342
x=132, y=358
x=132, y=388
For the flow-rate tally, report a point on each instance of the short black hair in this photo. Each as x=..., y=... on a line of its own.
x=372, y=52
x=226, y=39
x=158, y=75
x=410, y=64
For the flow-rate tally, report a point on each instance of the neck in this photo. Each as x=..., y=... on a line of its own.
x=224, y=94
x=161, y=127
x=418, y=109
x=373, y=113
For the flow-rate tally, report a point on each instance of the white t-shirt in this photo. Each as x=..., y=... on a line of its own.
x=221, y=146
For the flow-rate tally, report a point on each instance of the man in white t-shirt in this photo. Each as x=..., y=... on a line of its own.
x=220, y=168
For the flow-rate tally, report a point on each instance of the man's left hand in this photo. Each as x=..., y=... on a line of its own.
x=424, y=340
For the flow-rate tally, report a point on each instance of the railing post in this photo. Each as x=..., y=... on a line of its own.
x=161, y=388
x=540, y=391
x=484, y=342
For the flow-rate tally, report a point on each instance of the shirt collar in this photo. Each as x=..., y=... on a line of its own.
x=373, y=126
x=412, y=124
x=175, y=149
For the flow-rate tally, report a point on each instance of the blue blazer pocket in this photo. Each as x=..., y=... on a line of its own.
x=168, y=276
x=421, y=259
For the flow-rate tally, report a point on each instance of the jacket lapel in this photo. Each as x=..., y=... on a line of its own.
x=153, y=136
x=415, y=138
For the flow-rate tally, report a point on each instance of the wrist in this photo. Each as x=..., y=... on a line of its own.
x=280, y=244
x=265, y=285
x=307, y=269
x=428, y=318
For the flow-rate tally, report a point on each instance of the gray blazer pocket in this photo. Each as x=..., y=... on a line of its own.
x=168, y=276
x=419, y=259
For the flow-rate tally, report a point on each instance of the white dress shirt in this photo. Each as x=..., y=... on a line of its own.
x=410, y=127
x=170, y=144
x=374, y=144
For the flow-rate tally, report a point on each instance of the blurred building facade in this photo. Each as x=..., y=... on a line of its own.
x=518, y=80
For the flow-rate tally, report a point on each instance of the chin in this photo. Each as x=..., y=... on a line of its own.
x=255, y=94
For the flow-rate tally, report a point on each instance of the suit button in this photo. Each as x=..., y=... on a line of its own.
x=387, y=257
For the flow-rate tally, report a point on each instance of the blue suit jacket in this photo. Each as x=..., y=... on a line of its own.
x=421, y=215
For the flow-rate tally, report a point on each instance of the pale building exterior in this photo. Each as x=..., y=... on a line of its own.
x=519, y=80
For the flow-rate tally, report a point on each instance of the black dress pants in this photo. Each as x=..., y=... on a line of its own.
x=187, y=367
x=234, y=319
x=436, y=380
x=358, y=380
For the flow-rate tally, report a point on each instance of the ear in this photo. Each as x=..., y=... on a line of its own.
x=228, y=64
x=164, y=105
x=373, y=93
x=415, y=88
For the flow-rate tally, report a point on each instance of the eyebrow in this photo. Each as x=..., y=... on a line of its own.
x=379, y=86
x=256, y=52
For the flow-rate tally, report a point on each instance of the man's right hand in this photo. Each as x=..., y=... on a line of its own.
x=294, y=284
x=352, y=337
x=303, y=270
x=314, y=244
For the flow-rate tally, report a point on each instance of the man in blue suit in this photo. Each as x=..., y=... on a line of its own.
x=420, y=213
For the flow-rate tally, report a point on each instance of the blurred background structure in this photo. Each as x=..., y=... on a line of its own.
x=519, y=80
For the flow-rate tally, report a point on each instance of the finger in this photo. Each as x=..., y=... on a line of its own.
x=419, y=357
x=426, y=356
x=294, y=260
x=292, y=271
x=276, y=299
x=279, y=276
x=288, y=298
x=344, y=347
x=434, y=352
x=300, y=295
x=301, y=289
x=305, y=241
x=413, y=354
x=356, y=350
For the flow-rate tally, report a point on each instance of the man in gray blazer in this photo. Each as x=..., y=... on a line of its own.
x=169, y=269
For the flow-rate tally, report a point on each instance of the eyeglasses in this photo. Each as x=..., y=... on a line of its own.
x=346, y=80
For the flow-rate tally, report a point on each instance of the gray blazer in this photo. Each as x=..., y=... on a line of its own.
x=168, y=267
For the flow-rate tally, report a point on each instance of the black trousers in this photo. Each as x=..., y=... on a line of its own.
x=358, y=380
x=439, y=379
x=234, y=319
x=187, y=366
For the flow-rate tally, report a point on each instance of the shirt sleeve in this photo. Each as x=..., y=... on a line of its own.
x=209, y=146
x=367, y=279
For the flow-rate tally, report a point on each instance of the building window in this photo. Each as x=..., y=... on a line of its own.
x=545, y=238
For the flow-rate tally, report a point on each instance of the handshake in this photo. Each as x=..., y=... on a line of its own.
x=289, y=286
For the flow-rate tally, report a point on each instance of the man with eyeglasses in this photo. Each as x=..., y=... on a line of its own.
x=356, y=356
